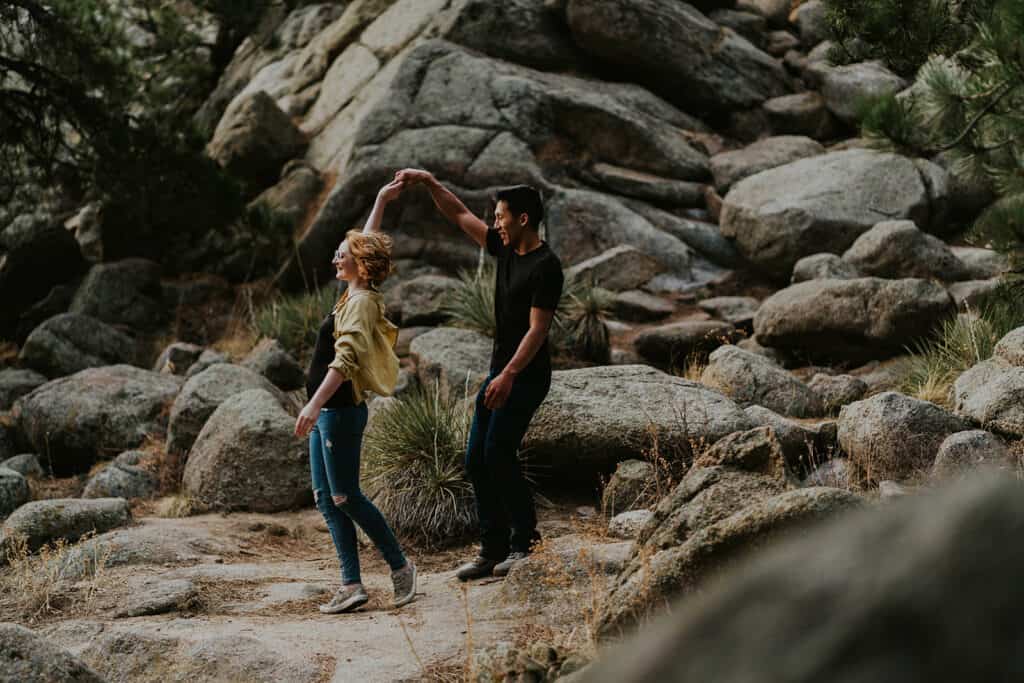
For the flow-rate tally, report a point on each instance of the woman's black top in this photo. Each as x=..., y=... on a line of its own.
x=323, y=356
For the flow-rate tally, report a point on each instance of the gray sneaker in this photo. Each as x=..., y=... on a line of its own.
x=404, y=580
x=503, y=567
x=345, y=599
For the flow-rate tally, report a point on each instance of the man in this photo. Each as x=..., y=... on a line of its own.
x=527, y=290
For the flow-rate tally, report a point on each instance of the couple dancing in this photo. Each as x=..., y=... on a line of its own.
x=355, y=353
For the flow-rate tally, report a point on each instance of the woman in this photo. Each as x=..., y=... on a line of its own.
x=354, y=353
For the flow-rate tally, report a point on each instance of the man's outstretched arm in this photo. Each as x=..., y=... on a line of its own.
x=450, y=206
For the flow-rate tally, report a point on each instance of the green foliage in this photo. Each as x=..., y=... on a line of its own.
x=959, y=344
x=902, y=33
x=295, y=320
x=579, y=328
x=471, y=304
x=413, y=453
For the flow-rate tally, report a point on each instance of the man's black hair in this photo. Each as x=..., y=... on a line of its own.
x=523, y=199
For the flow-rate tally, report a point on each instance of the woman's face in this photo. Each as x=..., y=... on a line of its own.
x=344, y=263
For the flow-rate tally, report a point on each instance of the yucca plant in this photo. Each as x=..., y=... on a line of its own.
x=414, y=452
x=579, y=328
x=295, y=320
x=471, y=304
x=960, y=343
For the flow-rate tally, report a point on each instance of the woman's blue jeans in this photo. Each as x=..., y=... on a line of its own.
x=334, y=447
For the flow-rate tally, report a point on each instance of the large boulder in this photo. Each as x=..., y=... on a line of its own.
x=837, y=390
x=456, y=359
x=15, y=383
x=36, y=254
x=247, y=458
x=674, y=344
x=824, y=203
x=893, y=625
x=596, y=417
x=844, y=87
x=126, y=293
x=800, y=114
x=177, y=358
x=70, y=342
x=823, y=267
x=738, y=310
x=271, y=360
x=863, y=318
x=45, y=521
x=898, y=249
x=1010, y=348
x=14, y=491
x=202, y=394
x=981, y=263
x=678, y=52
x=422, y=299
x=29, y=658
x=991, y=394
x=254, y=140
x=122, y=480
x=749, y=378
x=892, y=436
x=77, y=419
x=289, y=201
x=728, y=168
x=802, y=444
x=620, y=268
x=632, y=487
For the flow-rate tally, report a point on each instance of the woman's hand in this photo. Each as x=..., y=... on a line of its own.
x=390, y=192
x=307, y=418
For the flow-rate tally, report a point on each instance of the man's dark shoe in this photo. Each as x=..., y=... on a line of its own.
x=477, y=568
x=503, y=567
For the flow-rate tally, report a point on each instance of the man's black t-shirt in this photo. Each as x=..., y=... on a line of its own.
x=524, y=281
x=320, y=363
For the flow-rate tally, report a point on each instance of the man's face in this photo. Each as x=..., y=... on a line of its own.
x=510, y=228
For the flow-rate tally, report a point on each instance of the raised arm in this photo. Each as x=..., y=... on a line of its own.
x=387, y=194
x=450, y=206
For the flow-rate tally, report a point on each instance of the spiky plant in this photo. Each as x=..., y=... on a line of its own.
x=579, y=327
x=471, y=303
x=414, y=451
x=294, y=320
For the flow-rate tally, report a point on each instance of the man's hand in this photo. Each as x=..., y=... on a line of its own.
x=498, y=390
x=306, y=420
x=413, y=176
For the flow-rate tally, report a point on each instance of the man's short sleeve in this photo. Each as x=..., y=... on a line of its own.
x=494, y=243
x=547, y=289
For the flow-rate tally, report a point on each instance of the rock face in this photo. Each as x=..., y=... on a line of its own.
x=96, y=412
x=422, y=299
x=246, y=458
x=964, y=453
x=457, y=359
x=123, y=293
x=749, y=378
x=728, y=168
x=620, y=268
x=70, y=342
x=854, y=319
x=990, y=394
x=271, y=360
x=254, y=139
x=632, y=487
x=44, y=521
x=29, y=658
x=674, y=344
x=743, y=629
x=38, y=253
x=14, y=491
x=824, y=203
x=595, y=417
x=202, y=394
x=15, y=383
x=892, y=436
x=709, y=68
x=715, y=516
x=898, y=249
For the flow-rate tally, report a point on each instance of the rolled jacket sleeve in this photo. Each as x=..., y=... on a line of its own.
x=351, y=337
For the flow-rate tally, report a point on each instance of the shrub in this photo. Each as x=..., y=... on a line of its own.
x=960, y=343
x=579, y=328
x=294, y=320
x=414, y=452
x=471, y=304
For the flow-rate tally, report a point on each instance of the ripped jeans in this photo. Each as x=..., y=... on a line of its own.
x=334, y=446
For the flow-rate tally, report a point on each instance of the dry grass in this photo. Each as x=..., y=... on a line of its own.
x=174, y=507
x=49, y=488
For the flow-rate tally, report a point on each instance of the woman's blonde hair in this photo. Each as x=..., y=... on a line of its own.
x=372, y=254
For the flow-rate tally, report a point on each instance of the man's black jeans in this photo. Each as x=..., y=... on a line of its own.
x=504, y=501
